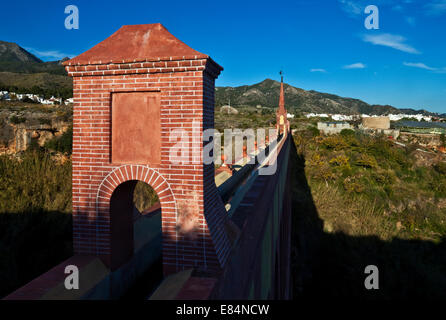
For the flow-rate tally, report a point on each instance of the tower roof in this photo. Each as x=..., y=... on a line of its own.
x=135, y=43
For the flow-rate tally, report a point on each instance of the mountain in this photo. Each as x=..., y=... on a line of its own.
x=14, y=58
x=22, y=72
x=10, y=51
x=38, y=83
x=266, y=94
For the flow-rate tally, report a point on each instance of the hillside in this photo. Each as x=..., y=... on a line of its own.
x=14, y=58
x=22, y=72
x=363, y=200
x=10, y=51
x=39, y=83
x=266, y=94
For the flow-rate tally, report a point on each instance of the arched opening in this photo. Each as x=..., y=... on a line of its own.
x=136, y=239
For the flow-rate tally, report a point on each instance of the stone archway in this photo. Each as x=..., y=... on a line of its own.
x=115, y=194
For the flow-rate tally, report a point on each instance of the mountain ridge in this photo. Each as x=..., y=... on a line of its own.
x=13, y=58
x=19, y=69
x=266, y=94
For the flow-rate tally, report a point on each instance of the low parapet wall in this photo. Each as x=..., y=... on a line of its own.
x=259, y=264
x=50, y=285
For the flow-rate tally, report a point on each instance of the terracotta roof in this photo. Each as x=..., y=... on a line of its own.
x=135, y=43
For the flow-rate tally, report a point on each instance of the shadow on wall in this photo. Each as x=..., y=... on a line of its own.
x=31, y=243
x=331, y=265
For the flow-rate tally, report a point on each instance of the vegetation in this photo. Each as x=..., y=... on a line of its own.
x=35, y=219
x=363, y=200
x=62, y=143
x=374, y=172
x=248, y=117
x=144, y=196
x=33, y=183
x=44, y=84
x=16, y=120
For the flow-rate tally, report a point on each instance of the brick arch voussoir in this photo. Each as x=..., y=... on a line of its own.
x=143, y=173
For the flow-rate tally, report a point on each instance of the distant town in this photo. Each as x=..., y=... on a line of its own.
x=34, y=98
x=392, y=117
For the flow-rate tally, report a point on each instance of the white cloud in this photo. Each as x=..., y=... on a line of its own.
x=352, y=7
x=436, y=8
x=418, y=65
x=318, y=70
x=358, y=65
x=390, y=40
x=355, y=8
x=50, y=54
x=421, y=65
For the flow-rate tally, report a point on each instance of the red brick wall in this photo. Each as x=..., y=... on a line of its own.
x=192, y=213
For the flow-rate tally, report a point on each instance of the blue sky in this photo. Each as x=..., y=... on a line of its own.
x=320, y=45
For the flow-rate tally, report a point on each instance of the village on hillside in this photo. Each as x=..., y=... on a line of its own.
x=30, y=97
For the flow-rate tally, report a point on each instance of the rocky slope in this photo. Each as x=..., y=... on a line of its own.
x=20, y=126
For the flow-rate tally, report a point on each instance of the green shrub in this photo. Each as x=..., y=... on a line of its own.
x=313, y=131
x=16, y=120
x=35, y=217
x=45, y=121
x=144, y=196
x=63, y=143
x=443, y=140
x=34, y=183
x=353, y=184
x=347, y=133
x=440, y=167
x=334, y=142
x=366, y=161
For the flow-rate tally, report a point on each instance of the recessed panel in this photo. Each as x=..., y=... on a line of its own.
x=136, y=128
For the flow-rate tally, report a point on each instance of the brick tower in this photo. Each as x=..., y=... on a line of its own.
x=136, y=95
x=281, y=113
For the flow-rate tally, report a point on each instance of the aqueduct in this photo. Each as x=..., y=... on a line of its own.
x=130, y=92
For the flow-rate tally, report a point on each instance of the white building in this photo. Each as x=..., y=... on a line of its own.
x=335, y=117
x=4, y=95
x=342, y=117
x=317, y=115
x=333, y=127
x=418, y=117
